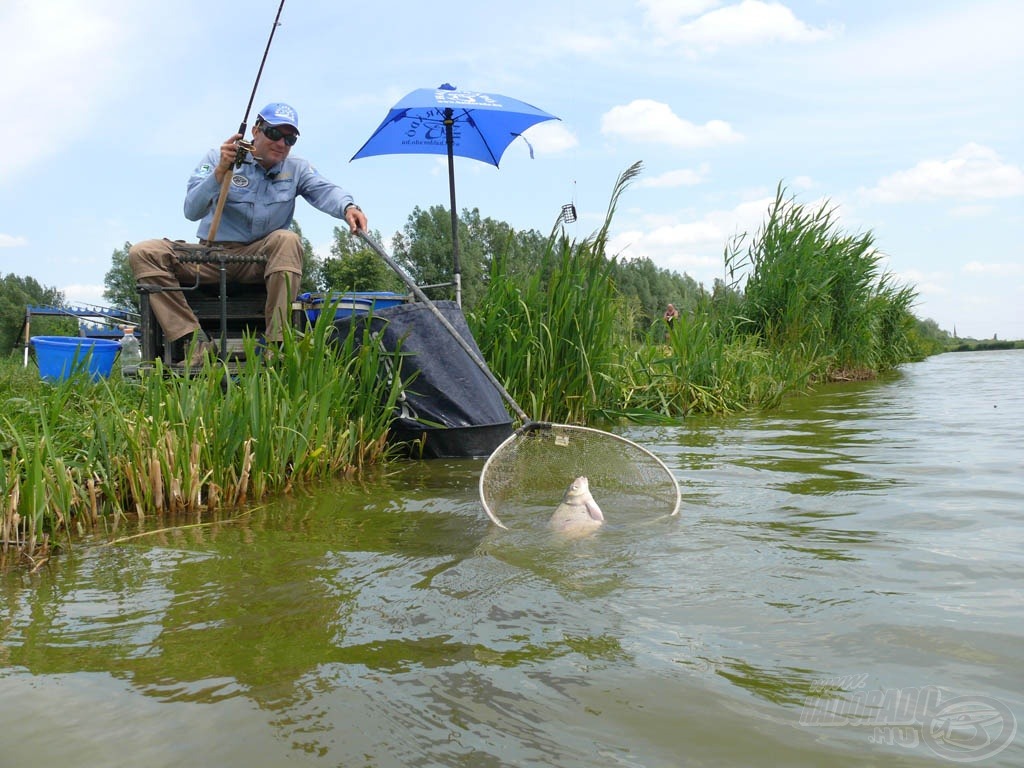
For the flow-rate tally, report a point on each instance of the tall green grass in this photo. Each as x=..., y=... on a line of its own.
x=556, y=338
x=808, y=303
x=703, y=365
x=76, y=452
x=810, y=284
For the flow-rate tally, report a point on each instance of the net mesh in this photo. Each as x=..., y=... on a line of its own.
x=528, y=474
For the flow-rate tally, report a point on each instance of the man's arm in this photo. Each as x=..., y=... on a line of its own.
x=326, y=196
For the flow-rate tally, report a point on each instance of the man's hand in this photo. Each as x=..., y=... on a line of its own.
x=356, y=219
x=228, y=155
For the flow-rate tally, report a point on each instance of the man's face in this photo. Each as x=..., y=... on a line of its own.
x=270, y=143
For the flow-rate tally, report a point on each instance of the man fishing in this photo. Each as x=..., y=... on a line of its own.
x=255, y=221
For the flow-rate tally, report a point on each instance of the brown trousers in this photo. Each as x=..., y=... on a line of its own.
x=154, y=262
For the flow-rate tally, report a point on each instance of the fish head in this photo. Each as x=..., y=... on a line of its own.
x=578, y=510
x=577, y=488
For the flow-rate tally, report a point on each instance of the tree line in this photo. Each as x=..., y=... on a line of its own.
x=423, y=248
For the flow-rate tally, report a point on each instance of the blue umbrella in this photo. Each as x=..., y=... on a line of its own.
x=444, y=120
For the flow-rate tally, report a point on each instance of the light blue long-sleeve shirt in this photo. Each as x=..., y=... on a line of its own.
x=259, y=201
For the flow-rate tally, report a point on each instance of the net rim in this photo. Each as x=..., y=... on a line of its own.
x=533, y=426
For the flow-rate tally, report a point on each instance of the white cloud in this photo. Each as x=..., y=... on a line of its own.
x=746, y=23
x=683, y=248
x=84, y=294
x=972, y=172
x=993, y=268
x=667, y=13
x=681, y=177
x=12, y=241
x=926, y=283
x=693, y=246
x=48, y=82
x=646, y=120
x=975, y=45
x=551, y=137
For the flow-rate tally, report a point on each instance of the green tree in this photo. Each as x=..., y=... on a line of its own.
x=424, y=248
x=931, y=339
x=16, y=294
x=353, y=266
x=119, y=282
x=649, y=289
x=522, y=250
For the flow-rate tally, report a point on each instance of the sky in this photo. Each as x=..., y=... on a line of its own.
x=905, y=117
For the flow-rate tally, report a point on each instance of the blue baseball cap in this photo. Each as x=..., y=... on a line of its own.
x=279, y=113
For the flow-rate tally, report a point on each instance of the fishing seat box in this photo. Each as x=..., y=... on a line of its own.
x=244, y=306
x=243, y=309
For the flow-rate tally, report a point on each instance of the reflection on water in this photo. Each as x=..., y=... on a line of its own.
x=865, y=539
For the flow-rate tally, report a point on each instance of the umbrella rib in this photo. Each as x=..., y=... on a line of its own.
x=467, y=113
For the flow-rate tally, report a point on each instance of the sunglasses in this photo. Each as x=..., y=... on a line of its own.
x=274, y=133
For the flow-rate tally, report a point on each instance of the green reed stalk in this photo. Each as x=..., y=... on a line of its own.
x=809, y=284
x=555, y=339
x=76, y=450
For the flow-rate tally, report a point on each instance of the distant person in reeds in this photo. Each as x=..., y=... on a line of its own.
x=671, y=313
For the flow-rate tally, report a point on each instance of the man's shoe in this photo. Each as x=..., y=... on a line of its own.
x=201, y=352
x=268, y=351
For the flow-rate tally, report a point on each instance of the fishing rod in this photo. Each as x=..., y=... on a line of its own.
x=243, y=145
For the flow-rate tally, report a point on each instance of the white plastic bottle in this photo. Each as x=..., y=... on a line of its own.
x=131, y=352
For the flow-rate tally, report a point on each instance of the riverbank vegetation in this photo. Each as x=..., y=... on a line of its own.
x=79, y=453
x=575, y=334
x=987, y=345
x=807, y=303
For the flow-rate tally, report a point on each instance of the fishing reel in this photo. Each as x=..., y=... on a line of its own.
x=244, y=148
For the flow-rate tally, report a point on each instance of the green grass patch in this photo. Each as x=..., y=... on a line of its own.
x=78, y=452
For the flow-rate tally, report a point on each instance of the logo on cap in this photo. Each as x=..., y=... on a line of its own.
x=285, y=112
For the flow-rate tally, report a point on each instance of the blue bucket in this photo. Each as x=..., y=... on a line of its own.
x=60, y=356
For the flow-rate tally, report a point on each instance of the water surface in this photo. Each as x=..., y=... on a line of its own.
x=843, y=587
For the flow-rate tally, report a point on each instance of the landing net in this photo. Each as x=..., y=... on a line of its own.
x=529, y=472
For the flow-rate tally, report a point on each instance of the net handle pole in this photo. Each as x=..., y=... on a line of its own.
x=421, y=296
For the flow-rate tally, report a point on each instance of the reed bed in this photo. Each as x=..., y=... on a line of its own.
x=78, y=452
x=555, y=338
x=555, y=343
x=809, y=283
x=808, y=303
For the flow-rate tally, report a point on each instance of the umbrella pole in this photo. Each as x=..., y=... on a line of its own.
x=450, y=140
